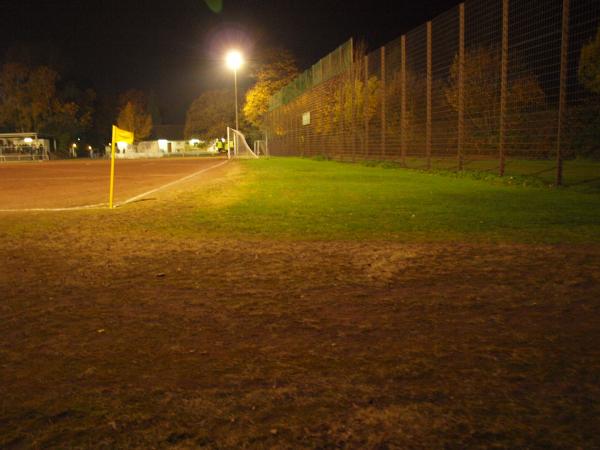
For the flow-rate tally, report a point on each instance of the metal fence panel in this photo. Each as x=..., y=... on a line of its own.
x=491, y=85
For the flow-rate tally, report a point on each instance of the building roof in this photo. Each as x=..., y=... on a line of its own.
x=25, y=135
x=171, y=132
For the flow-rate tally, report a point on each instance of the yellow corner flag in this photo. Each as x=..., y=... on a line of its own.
x=118, y=135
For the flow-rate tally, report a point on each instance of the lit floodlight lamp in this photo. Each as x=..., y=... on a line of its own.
x=194, y=141
x=28, y=140
x=234, y=60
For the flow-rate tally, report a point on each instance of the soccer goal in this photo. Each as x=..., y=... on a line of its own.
x=237, y=147
x=261, y=148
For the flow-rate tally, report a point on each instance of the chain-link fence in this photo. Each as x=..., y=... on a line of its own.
x=510, y=87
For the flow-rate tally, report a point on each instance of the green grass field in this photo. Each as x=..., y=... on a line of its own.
x=307, y=199
x=578, y=174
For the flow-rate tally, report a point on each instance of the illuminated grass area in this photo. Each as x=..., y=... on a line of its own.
x=301, y=198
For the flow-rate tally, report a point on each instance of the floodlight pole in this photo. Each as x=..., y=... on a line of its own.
x=237, y=125
x=228, y=141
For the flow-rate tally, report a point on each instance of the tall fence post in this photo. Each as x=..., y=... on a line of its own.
x=503, y=90
x=366, y=106
x=403, y=99
x=428, y=119
x=290, y=133
x=383, y=103
x=353, y=106
x=460, y=135
x=342, y=141
x=267, y=144
x=564, y=48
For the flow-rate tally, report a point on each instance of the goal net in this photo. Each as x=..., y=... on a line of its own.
x=238, y=147
x=261, y=148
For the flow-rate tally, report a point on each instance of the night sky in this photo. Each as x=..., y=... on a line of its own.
x=175, y=48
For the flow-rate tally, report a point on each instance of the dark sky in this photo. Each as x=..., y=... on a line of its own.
x=175, y=47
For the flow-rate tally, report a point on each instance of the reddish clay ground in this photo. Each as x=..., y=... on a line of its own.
x=61, y=184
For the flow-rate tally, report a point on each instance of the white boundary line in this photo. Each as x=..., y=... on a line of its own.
x=71, y=208
x=117, y=205
x=164, y=186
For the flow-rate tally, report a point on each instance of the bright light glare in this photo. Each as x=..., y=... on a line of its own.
x=163, y=144
x=194, y=141
x=234, y=59
x=28, y=140
x=122, y=145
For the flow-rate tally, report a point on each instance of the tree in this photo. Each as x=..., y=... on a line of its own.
x=413, y=124
x=583, y=124
x=481, y=96
x=354, y=98
x=210, y=114
x=134, y=115
x=277, y=70
x=13, y=96
x=589, y=65
x=30, y=100
x=27, y=96
x=104, y=117
x=73, y=114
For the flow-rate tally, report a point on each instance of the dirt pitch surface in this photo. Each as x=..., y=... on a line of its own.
x=118, y=339
x=64, y=184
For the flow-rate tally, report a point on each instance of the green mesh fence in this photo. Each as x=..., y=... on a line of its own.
x=498, y=86
x=335, y=63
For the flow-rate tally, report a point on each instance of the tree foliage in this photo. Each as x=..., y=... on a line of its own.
x=583, y=125
x=481, y=97
x=134, y=115
x=31, y=101
x=210, y=114
x=27, y=96
x=277, y=69
x=73, y=116
x=352, y=100
x=589, y=65
x=413, y=124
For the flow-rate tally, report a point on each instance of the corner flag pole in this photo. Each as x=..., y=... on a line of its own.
x=112, y=169
x=118, y=135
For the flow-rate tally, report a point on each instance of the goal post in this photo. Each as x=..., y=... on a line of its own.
x=261, y=148
x=237, y=147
